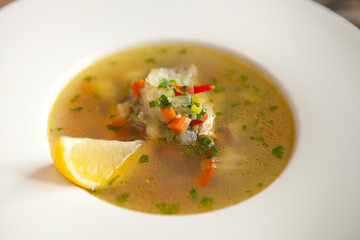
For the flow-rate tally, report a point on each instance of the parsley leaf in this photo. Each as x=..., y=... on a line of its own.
x=168, y=208
x=193, y=194
x=164, y=83
x=219, y=89
x=206, y=146
x=162, y=102
x=150, y=60
x=113, y=180
x=144, y=158
x=122, y=198
x=278, y=151
x=76, y=109
x=88, y=78
x=207, y=202
x=114, y=128
x=75, y=98
x=272, y=108
x=244, y=127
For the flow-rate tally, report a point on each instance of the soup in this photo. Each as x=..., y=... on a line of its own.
x=248, y=143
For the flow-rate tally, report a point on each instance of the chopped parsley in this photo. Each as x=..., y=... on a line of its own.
x=163, y=50
x=182, y=51
x=219, y=113
x=162, y=102
x=88, y=78
x=113, y=62
x=219, y=89
x=278, y=151
x=271, y=122
x=144, y=158
x=272, y=108
x=256, y=89
x=193, y=194
x=164, y=83
x=114, y=128
x=59, y=129
x=258, y=139
x=244, y=127
x=213, y=80
x=206, y=145
x=230, y=73
x=247, y=102
x=75, y=98
x=256, y=122
x=260, y=185
x=150, y=60
x=122, y=198
x=78, y=109
x=113, y=180
x=168, y=208
x=112, y=116
x=261, y=114
x=234, y=105
x=207, y=202
x=248, y=191
x=243, y=78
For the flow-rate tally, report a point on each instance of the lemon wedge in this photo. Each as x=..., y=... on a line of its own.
x=90, y=162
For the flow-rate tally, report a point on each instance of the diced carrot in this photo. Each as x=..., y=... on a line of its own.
x=136, y=86
x=179, y=124
x=197, y=122
x=168, y=114
x=206, y=174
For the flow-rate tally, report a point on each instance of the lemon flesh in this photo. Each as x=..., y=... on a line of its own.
x=90, y=162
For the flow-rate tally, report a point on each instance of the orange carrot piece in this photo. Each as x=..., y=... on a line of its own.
x=179, y=124
x=136, y=86
x=168, y=114
x=206, y=174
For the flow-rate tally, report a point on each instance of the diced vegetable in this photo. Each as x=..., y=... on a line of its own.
x=196, y=109
x=168, y=114
x=179, y=124
x=195, y=89
x=206, y=174
x=197, y=122
x=136, y=86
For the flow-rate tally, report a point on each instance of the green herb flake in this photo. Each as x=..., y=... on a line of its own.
x=258, y=139
x=219, y=113
x=121, y=199
x=193, y=194
x=164, y=83
x=260, y=185
x=230, y=73
x=243, y=78
x=256, y=122
x=150, y=60
x=256, y=89
x=261, y=114
x=88, y=78
x=207, y=202
x=244, y=127
x=112, y=116
x=114, y=128
x=113, y=62
x=182, y=51
x=113, y=180
x=278, y=151
x=51, y=130
x=144, y=158
x=272, y=108
x=271, y=122
x=59, y=129
x=206, y=146
x=75, y=98
x=247, y=102
x=213, y=80
x=78, y=109
x=163, y=50
x=219, y=89
x=234, y=105
x=248, y=191
x=162, y=102
x=168, y=208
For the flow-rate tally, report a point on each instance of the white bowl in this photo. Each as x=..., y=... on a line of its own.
x=313, y=54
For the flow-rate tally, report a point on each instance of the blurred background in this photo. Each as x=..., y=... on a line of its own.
x=349, y=9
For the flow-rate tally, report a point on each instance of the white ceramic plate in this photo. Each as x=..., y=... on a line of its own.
x=313, y=53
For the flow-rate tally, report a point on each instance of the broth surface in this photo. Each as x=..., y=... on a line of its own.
x=254, y=128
